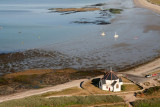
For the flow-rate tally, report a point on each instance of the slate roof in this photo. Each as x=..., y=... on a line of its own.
x=110, y=76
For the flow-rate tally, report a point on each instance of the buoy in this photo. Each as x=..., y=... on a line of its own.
x=39, y=37
x=116, y=36
x=103, y=34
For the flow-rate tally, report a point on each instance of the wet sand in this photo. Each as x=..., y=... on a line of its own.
x=156, y=63
x=146, y=4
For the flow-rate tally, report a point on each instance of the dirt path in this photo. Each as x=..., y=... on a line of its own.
x=129, y=98
x=146, y=4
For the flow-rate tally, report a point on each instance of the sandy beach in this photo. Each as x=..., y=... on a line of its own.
x=146, y=4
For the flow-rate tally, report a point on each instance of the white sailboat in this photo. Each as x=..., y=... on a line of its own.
x=116, y=36
x=103, y=34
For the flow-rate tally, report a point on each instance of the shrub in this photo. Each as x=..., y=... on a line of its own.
x=3, y=81
x=123, y=88
x=154, y=102
x=115, y=11
x=151, y=90
x=22, y=79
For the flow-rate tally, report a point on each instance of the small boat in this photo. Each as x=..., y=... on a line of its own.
x=103, y=34
x=116, y=36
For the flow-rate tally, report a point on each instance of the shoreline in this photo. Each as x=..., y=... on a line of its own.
x=21, y=55
x=148, y=5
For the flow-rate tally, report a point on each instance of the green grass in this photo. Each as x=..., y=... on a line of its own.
x=67, y=91
x=39, y=101
x=130, y=87
x=154, y=102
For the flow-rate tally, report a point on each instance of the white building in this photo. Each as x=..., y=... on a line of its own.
x=110, y=82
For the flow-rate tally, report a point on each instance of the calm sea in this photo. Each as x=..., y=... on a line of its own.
x=27, y=24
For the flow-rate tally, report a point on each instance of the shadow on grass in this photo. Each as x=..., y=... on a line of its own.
x=95, y=82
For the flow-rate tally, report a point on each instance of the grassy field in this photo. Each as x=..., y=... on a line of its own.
x=130, y=87
x=125, y=80
x=157, y=2
x=33, y=79
x=39, y=101
x=68, y=91
x=154, y=102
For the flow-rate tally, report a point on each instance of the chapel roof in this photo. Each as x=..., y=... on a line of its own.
x=110, y=76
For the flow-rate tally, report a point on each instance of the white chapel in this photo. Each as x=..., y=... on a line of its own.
x=110, y=82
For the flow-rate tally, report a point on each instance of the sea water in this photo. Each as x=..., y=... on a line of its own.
x=28, y=24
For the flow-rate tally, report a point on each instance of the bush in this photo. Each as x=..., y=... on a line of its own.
x=123, y=88
x=154, y=102
x=151, y=90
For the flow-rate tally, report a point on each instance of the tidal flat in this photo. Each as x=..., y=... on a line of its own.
x=33, y=37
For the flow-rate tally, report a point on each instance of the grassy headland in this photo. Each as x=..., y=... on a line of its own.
x=33, y=79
